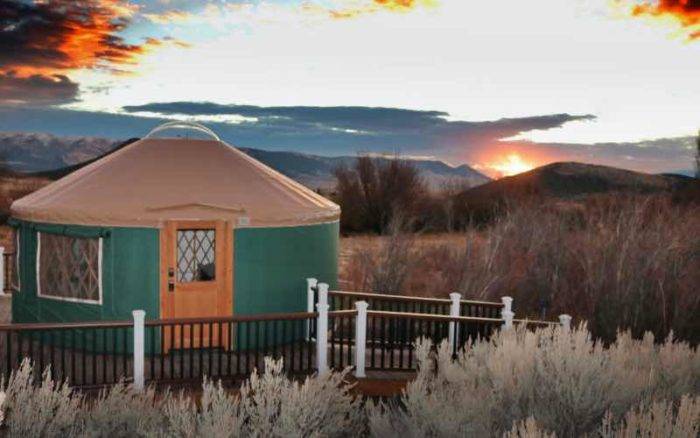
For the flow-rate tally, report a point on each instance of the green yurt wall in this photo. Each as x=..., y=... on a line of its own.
x=271, y=266
x=270, y=270
x=130, y=275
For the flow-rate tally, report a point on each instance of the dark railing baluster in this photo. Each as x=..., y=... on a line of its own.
x=125, y=353
x=383, y=341
x=220, y=349
x=295, y=325
x=412, y=338
x=51, y=353
x=258, y=337
x=72, y=362
x=372, y=338
x=200, y=349
x=190, y=351
x=275, y=351
x=229, y=351
x=93, y=356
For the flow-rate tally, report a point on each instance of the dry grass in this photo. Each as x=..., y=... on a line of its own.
x=616, y=262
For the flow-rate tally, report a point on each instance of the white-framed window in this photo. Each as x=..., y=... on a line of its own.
x=15, y=281
x=69, y=268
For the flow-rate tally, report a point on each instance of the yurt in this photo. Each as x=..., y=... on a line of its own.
x=179, y=224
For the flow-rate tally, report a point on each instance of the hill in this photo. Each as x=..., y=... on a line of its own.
x=568, y=181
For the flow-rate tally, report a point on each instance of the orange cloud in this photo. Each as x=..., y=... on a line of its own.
x=374, y=6
x=684, y=12
x=402, y=4
x=169, y=17
x=41, y=42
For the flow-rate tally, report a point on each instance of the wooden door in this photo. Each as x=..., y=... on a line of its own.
x=196, y=281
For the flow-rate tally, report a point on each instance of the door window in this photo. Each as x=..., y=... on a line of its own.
x=196, y=255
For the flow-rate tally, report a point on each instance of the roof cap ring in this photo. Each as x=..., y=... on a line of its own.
x=183, y=124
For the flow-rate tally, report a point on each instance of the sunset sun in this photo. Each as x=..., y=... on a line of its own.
x=511, y=165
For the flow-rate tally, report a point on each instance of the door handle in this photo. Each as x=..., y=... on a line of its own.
x=171, y=280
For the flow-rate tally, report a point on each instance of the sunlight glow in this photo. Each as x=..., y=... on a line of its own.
x=511, y=165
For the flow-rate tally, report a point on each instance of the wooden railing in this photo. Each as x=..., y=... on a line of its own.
x=85, y=354
x=340, y=300
x=91, y=354
x=390, y=336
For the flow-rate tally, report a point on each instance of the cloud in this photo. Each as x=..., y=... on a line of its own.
x=42, y=42
x=358, y=120
x=349, y=130
x=169, y=17
x=356, y=8
x=36, y=89
x=685, y=12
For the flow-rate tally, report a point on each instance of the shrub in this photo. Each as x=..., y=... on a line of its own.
x=386, y=270
x=564, y=381
x=527, y=429
x=218, y=415
x=48, y=409
x=2, y=407
x=520, y=383
x=268, y=405
x=660, y=419
x=273, y=405
x=120, y=411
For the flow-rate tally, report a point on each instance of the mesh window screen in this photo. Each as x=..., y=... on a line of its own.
x=196, y=255
x=69, y=267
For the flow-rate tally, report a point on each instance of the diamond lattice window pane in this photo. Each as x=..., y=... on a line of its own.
x=69, y=267
x=196, y=255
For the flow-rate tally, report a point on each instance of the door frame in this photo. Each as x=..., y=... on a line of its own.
x=223, y=265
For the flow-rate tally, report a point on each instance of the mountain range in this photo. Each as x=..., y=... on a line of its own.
x=53, y=156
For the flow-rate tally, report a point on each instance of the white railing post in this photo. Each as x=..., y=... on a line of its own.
x=565, y=321
x=2, y=270
x=360, y=337
x=453, y=336
x=139, y=317
x=310, y=286
x=507, y=312
x=322, y=329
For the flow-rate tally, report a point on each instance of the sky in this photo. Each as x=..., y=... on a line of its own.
x=500, y=85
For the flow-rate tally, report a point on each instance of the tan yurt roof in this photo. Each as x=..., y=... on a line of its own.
x=157, y=179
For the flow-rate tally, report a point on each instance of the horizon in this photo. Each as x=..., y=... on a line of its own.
x=599, y=82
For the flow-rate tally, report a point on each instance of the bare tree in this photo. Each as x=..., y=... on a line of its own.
x=374, y=191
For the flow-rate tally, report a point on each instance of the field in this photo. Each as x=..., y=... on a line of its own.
x=617, y=262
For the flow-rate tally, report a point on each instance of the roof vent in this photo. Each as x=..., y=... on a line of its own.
x=182, y=129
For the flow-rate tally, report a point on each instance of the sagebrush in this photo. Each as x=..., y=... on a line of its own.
x=561, y=381
x=520, y=383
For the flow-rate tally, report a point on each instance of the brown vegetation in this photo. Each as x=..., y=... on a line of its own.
x=617, y=261
x=373, y=191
